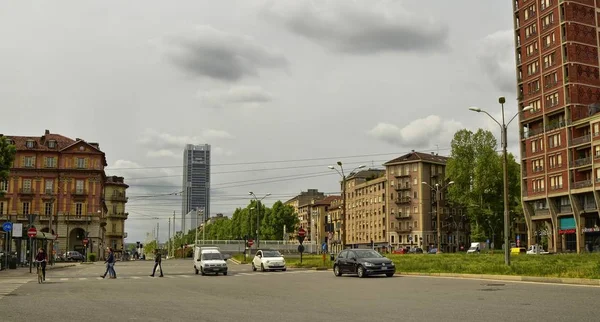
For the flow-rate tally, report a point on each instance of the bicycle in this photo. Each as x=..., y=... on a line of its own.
x=40, y=274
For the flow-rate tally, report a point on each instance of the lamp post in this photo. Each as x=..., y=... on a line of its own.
x=438, y=192
x=503, y=130
x=258, y=215
x=343, y=175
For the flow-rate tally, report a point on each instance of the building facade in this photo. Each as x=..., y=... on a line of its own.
x=196, y=182
x=412, y=204
x=557, y=70
x=301, y=204
x=366, y=220
x=321, y=228
x=336, y=220
x=56, y=184
x=116, y=198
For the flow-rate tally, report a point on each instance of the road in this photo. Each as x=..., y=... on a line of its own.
x=78, y=293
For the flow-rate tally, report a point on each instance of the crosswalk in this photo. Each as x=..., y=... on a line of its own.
x=176, y=276
x=7, y=286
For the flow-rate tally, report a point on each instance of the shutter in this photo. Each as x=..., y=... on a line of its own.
x=74, y=163
x=23, y=162
x=85, y=163
x=33, y=161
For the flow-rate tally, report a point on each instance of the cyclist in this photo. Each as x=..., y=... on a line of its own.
x=41, y=259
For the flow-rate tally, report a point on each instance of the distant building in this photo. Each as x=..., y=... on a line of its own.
x=116, y=198
x=300, y=204
x=196, y=183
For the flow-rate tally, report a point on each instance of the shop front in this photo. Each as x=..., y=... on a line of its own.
x=568, y=234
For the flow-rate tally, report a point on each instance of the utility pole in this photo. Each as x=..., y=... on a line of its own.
x=174, y=230
x=157, y=235
x=169, y=240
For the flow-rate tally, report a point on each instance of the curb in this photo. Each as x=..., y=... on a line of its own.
x=513, y=278
x=320, y=268
x=59, y=267
x=235, y=261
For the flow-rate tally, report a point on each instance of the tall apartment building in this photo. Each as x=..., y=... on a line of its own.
x=301, y=204
x=57, y=185
x=365, y=220
x=196, y=182
x=412, y=205
x=557, y=69
x=116, y=198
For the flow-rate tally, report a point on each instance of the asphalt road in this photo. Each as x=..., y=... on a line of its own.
x=78, y=293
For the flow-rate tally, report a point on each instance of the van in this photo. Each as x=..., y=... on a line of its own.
x=209, y=260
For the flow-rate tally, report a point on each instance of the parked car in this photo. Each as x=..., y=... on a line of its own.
x=268, y=260
x=363, y=262
x=73, y=255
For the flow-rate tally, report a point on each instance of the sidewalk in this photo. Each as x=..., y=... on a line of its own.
x=24, y=271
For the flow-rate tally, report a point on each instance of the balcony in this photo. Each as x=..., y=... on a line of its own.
x=403, y=200
x=48, y=194
x=118, y=198
x=78, y=218
x=555, y=125
x=581, y=140
x=542, y=212
x=565, y=209
x=582, y=184
x=402, y=175
x=589, y=205
x=403, y=230
x=120, y=215
x=405, y=187
x=402, y=216
x=113, y=234
x=79, y=193
x=26, y=191
x=581, y=162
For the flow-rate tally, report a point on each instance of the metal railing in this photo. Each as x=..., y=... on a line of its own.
x=581, y=139
x=582, y=184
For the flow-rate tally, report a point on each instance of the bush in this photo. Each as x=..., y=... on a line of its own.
x=91, y=257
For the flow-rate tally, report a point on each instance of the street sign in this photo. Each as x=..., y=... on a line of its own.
x=7, y=226
x=250, y=242
x=300, y=248
x=31, y=232
x=302, y=232
x=85, y=241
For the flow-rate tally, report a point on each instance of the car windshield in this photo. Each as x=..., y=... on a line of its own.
x=271, y=254
x=211, y=256
x=368, y=254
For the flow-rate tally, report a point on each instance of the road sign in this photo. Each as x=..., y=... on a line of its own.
x=300, y=248
x=7, y=226
x=250, y=242
x=409, y=238
x=31, y=232
x=301, y=232
x=85, y=241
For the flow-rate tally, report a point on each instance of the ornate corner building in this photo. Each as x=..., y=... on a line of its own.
x=116, y=198
x=57, y=185
x=557, y=69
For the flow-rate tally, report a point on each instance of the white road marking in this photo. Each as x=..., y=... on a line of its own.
x=64, y=279
x=83, y=278
x=10, y=285
x=136, y=277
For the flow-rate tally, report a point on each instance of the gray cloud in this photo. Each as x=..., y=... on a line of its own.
x=418, y=133
x=348, y=27
x=166, y=145
x=496, y=57
x=243, y=96
x=219, y=55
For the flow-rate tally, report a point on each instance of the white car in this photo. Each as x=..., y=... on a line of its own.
x=268, y=260
x=209, y=260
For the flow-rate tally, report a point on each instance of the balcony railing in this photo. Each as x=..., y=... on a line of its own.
x=555, y=125
x=79, y=192
x=26, y=191
x=118, y=198
x=581, y=140
x=402, y=175
x=589, y=205
x=403, y=230
x=402, y=216
x=566, y=209
x=542, y=212
x=581, y=162
x=400, y=188
x=403, y=200
x=119, y=215
x=582, y=184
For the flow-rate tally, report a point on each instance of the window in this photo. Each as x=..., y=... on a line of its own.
x=534, y=86
x=550, y=80
x=26, y=185
x=549, y=40
x=114, y=209
x=555, y=161
x=556, y=182
x=48, y=209
x=531, y=49
x=533, y=68
x=3, y=185
x=50, y=162
x=597, y=174
x=596, y=128
x=552, y=100
x=545, y=4
x=26, y=208
x=1, y=208
x=415, y=210
x=114, y=228
x=537, y=165
x=81, y=164
x=29, y=144
x=529, y=12
x=536, y=106
x=530, y=31
x=415, y=194
x=547, y=20
x=79, y=186
x=554, y=141
x=78, y=209
x=49, y=187
x=29, y=162
x=414, y=180
x=52, y=144
x=549, y=60
x=414, y=167
x=538, y=185
x=597, y=151
x=537, y=145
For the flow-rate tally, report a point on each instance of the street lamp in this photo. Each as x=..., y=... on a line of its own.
x=503, y=130
x=343, y=175
x=258, y=215
x=438, y=191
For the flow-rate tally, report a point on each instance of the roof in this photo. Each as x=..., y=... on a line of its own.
x=366, y=174
x=418, y=156
x=327, y=201
x=116, y=181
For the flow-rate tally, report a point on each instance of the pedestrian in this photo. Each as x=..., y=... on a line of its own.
x=157, y=262
x=110, y=264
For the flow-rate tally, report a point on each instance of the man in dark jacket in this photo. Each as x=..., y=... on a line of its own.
x=110, y=264
x=157, y=262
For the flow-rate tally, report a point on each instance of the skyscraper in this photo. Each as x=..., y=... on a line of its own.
x=196, y=182
x=558, y=76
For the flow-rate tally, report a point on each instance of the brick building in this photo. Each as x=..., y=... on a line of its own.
x=557, y=68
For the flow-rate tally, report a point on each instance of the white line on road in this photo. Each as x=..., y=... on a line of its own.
x=83, y=278
x=136, y=277
x=64, y=279
x=186, y=276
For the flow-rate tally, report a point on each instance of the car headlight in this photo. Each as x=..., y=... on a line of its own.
x=390, y=264
x=369, y=264
x=268, y=262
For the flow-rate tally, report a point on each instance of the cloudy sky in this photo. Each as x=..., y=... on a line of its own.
x=280, y=89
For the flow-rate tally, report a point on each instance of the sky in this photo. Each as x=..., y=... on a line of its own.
x=280, y=89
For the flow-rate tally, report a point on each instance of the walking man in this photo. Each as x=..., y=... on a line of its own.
x=110, y=264
x=157, y=262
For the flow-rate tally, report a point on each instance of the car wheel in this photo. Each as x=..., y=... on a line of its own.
x=196, y=270
x=389, y=274
x=337, y=271
x=253, y=267
x=225, y=273
x=262, y=267
x=202, y=271
x=283, y=270
x=361, y=272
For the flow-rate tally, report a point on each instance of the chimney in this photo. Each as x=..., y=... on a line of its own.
x=432, y=153
x=413, y=151
x=47, y=132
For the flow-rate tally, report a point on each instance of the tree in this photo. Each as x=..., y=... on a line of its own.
x=150, y=247
x=476, y=169
x=7, y=157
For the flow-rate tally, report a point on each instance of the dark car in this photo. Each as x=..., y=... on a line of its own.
x=363, y=262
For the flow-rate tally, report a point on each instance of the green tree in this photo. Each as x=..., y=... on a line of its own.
x=7, y=157
x=476, y=169
x=150, y=247
x=278, y=217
